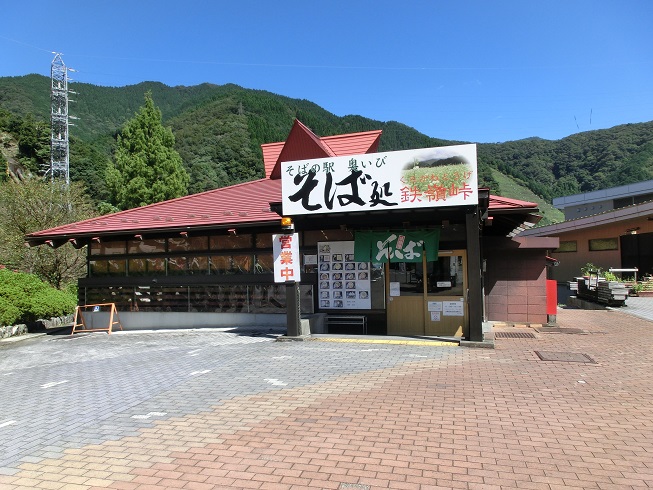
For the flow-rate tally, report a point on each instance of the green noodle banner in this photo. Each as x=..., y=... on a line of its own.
x=396, y=246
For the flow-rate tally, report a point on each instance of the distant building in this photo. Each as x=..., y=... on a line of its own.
x=611, y=228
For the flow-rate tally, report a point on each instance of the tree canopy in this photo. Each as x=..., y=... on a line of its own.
x=146, y=167
x=33, y=205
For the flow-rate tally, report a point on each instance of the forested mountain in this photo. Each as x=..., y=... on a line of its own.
x=219, y=129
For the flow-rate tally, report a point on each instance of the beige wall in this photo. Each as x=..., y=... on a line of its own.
x=571, y=262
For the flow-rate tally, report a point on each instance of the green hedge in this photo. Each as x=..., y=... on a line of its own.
x=25, y=298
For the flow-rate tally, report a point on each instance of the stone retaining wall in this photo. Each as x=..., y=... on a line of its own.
x=37, y=326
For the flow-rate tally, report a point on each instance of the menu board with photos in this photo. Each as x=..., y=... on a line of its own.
x=343, y=283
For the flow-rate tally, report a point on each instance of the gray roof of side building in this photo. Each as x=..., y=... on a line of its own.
x=635, y=189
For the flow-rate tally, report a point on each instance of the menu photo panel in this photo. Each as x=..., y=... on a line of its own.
x=343, y=283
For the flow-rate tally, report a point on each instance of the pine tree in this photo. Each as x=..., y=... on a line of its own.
x=146, y=167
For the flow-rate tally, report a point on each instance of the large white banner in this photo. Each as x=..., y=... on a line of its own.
x=427, y=177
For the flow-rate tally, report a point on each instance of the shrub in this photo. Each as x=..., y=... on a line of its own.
x=25, y=298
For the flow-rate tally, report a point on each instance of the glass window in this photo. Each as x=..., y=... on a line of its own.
x=231, y=264
x=264, y=264
x=445, y=276
x=241, y=264
x=409, y=276
x=184, y=244
x=98, y=268
x=220, y=264
x=230, y=242
x=150, y=245
x=599, y=244
x=198, y=265
x=144, y=267
x=264, y=240
x=108, y=248
x=177, y=266
x=568, y=246
x=137, y=267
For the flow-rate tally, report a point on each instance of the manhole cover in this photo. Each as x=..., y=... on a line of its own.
x=564, y=356
x=514, y=335
x=559, y=330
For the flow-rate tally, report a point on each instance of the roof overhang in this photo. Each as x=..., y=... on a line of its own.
x=644, y=210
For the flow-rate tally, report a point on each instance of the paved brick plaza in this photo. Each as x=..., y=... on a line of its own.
x=203, y=410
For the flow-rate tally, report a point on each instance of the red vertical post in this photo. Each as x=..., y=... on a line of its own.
x=551, y=297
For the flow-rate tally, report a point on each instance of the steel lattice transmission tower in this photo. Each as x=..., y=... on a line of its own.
x=59, y=121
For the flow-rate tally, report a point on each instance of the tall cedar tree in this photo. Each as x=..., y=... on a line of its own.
x=146, y=168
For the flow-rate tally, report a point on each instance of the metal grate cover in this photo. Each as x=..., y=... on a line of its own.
x=564, y=357
x=559, y=330
x=514, y=335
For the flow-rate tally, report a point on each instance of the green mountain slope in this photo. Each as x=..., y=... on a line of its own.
x=219, y=130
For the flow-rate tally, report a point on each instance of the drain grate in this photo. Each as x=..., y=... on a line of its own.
x=564, y=357
x=514, y=335
x=559, y=330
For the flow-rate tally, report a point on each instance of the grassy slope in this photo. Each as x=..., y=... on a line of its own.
x=512, y=189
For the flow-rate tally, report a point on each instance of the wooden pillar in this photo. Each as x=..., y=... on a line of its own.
x=475, y=290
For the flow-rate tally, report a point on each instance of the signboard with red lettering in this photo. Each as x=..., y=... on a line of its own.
x=427, y=177
x=285, y=248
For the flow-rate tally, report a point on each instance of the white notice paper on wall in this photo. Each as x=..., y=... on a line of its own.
x=435, y=316
x=395, y=290
x=453, y=308
x=434, y=305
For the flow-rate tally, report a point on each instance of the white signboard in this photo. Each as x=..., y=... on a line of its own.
x=453, y=308
x=285, y=248
x=427, y=177
x=343, y=283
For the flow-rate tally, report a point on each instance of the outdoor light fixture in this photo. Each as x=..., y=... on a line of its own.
x=287, y=224
x=183, y=233
x=138, y=237
x=232, y=231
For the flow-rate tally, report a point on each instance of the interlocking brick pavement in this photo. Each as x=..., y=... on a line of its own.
x=262, y=414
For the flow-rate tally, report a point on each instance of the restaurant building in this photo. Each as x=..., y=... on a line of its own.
x=398, y=243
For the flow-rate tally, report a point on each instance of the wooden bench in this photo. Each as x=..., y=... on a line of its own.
x=357, y=320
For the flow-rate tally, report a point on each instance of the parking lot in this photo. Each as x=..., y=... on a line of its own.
x=569, y=408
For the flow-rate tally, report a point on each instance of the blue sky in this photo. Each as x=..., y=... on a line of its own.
x=481, y=71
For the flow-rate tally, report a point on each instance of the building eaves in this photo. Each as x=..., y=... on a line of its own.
x=643, y=210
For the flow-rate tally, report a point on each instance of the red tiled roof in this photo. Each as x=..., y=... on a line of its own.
x=302, y=144
x=354, y=143
x=505, y=203
x=238, y=204
x=271, y=153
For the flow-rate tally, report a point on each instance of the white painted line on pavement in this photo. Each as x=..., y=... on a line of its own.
x=200, y=372
x=7, y=374
x=415, y=355
x=371, y=350
x=275, y=382
x=8, y=422
x=282, y=357
x=54, y=383
x=194, y=352
x=149, y=415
